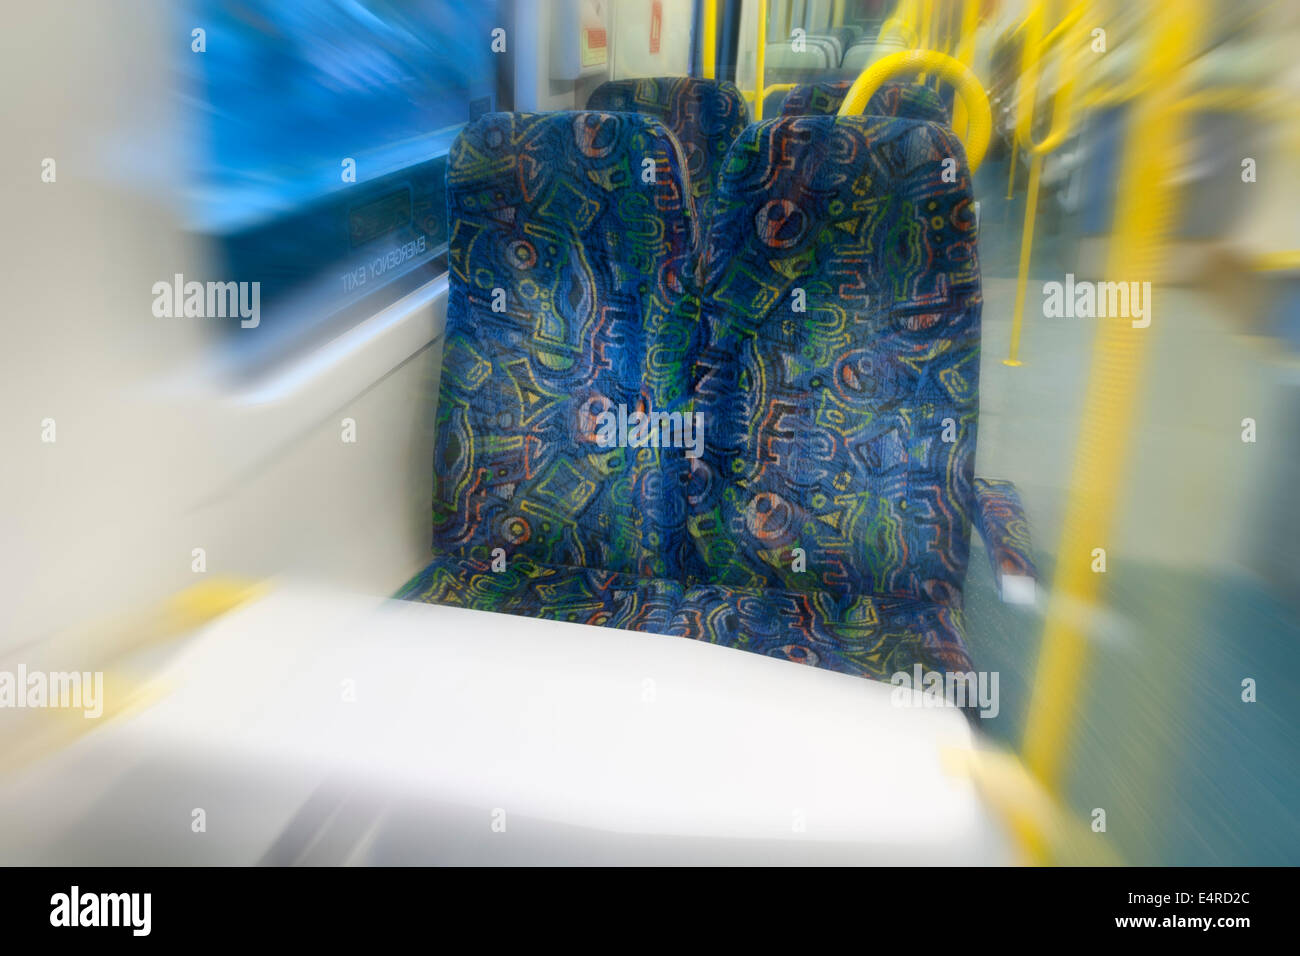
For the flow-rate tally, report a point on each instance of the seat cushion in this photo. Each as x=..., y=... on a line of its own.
x=555, y=592
x=864, y=637
x=872, y=637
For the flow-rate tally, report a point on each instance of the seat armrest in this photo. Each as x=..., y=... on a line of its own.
x=1005, y=530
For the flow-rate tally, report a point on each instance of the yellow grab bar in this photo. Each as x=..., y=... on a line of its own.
x=901, y=29
x=1148, y=198
x=759, y=58
x=1035, y=44
x=709, y=40
x=1286, y=260
x=969, y=90
x=966, y=53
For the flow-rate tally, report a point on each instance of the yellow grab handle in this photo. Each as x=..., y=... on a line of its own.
x=900, y=29
x=1034, y=46
x=709, y=39
x=979, y=126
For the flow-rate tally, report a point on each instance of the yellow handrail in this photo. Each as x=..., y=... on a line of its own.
x=1033, y=46
x=966, y=54
x=969, y=91
x=906, y=33
x=759, y=60
x=709, y=40
x=1145, y=210
x=1284, y=260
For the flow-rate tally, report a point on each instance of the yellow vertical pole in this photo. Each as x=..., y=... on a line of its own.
x=970, y=21
x=709, y=40
x=950, y=26
x=1146, y=208
x=759, y=58
x=1062, y=105
x=1015, y=158
x=924, y=24
x=1031, y=38
x=837, y=13
x=1026, y=252
x=966, y=54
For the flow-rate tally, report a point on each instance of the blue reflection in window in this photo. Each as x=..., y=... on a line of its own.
x=285, y=95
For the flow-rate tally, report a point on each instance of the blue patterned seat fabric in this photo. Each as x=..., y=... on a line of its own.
x=894, y=98
x=867, y=636
x=832, y=351
x=706, y=116
x=567, y=271
x=1005, y=529
x=840, y=376
x=553, y=591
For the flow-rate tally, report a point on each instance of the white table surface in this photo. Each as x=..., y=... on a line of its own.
x=592, y=745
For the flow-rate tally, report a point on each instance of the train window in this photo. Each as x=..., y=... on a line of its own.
x=320, y=135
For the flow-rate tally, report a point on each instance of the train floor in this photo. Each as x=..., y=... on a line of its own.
x=1196, y=596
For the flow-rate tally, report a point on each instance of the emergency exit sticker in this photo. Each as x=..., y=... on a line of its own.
x=594, y=43
x=593, y=46
x=656, y=24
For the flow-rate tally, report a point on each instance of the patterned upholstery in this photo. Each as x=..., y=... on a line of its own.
x=903, y=100
x=1004, y=528
x=706, y=116
x=556, y=592
x=566, y=268
x=866, y=636
x=815, y=99
x=845, y=429
x=833, y=352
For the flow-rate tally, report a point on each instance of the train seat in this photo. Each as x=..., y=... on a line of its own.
x=1005, y=530
x=556, y=592
x=706, y=116
x=868, y=50
x=862, y=635
x=783, y=62
x=840, y=379
x=901, y=99
x=568, y=270
x=832, y=353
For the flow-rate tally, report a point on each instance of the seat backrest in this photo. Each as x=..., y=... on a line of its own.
x=706, y=116
x=783, y=63
x=566, y=265
x=833, y=41
x=902, y=99
x=865, y=52
x=845, y=37
x=839, y=379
